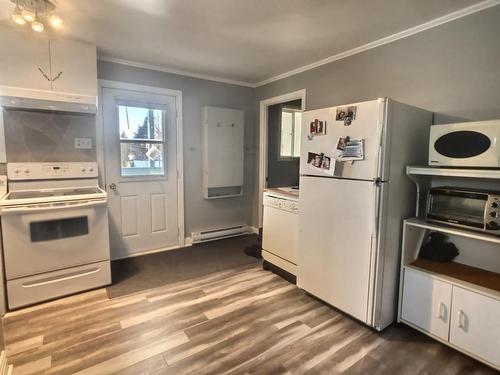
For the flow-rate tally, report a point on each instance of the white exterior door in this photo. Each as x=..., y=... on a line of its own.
x=426, y=303
x=140, y=150
x=475, y=324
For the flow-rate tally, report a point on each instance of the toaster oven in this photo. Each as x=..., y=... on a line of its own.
x=473, y=209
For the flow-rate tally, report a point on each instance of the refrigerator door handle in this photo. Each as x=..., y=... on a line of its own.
x=376, y=203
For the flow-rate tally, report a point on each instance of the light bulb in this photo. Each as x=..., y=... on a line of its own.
x=28, y=15
x=17, y=17
x=55, y=21
x=37, y=26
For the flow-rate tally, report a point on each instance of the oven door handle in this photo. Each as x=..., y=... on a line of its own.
x=34, y=208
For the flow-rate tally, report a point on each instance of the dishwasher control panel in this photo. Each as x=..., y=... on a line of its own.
x=281, y=203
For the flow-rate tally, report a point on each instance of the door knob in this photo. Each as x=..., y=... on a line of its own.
x=112, y=186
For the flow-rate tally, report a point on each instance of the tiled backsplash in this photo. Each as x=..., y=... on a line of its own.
x=33, y=136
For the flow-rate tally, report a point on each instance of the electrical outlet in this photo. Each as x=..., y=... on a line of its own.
x=84, y=143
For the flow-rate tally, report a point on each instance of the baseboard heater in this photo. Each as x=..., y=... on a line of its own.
x=218, y=234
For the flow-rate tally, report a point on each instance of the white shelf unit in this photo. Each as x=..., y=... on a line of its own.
x=457, y=303
x=425, y=177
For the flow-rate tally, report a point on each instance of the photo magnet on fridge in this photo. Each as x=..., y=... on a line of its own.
x=317, y=127
x=349, y=149
x=321, y=163
x=346, y=114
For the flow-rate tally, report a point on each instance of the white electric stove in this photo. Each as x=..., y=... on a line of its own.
x=55, y=231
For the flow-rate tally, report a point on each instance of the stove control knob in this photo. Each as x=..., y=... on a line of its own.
x=83, y=169
x=91, y=169
x=17, y=171
x=495, y=204
x=493, y=214
x=27, y=171
x=493, y=225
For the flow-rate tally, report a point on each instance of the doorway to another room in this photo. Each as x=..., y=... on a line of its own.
x=279, y=146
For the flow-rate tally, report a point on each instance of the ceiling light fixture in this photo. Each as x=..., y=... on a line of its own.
x=55, y=21
x=37, y=12
x=17, y=17
x=37, y=26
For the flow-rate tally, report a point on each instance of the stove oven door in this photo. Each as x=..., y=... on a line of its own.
x=42, y=238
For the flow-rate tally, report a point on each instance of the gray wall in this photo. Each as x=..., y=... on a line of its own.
x=453, y=70
x=42, y=136
x=201, y=213
x=280, y=172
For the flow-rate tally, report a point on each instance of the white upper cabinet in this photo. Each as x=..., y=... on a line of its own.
x=23, y=55
x=39, y=73
x=74, y=67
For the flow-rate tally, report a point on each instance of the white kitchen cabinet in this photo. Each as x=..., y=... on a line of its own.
x=475, y=324
x=75, y=66
x=23, y=55
x=426, y=303
x=39, y=73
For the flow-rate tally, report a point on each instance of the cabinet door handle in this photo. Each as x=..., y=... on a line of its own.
x=45, y=75
x=57, y=76
x=462, y=319
x=441, y=311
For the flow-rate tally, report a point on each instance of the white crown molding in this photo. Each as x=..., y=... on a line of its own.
x=342, y=55
x=388, y=39
x=159, y=68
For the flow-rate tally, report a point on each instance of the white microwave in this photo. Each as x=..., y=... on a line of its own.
x=465, y=144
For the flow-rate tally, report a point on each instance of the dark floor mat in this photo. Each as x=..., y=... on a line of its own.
x=149, y=271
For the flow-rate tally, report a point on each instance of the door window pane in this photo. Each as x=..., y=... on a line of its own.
x=140, y=159
x=140, y=123
x=142, y=141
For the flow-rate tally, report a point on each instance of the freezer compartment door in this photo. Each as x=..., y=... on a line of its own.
x=337, y=230
x=368, y=126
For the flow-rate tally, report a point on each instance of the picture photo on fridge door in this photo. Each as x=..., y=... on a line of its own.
x=346, y=114
x=349, y=149
x=321, y=162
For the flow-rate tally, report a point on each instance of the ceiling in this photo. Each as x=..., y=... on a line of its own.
x=243, y=40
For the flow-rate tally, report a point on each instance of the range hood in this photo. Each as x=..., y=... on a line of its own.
x=22, y=98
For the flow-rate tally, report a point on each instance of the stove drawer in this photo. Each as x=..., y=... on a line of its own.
x=37, y=241
x=38, y=288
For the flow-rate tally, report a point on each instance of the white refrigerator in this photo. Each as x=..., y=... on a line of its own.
x=351, y=216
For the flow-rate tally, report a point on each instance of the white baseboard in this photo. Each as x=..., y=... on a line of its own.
x=255, y=230
x=123, y=256
x=5, y=369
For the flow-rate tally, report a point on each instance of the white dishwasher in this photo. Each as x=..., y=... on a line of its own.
x=281, y=229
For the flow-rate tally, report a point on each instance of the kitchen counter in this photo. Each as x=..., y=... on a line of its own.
x=286, y=192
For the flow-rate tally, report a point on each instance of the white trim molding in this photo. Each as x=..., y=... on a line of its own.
x=180, y=72
x=100, y=149
x=342, y=55
x=264, y=104
x=5, y=368
x=388, y=39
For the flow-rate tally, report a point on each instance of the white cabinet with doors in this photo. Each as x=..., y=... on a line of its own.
x=23, y=56
x=457, y=302
x=426, y=303
x=75, y=65
x=464, y=319
x=36, y=68
x=475, y=324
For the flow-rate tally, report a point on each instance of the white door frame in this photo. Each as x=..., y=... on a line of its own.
x=264, y=104
x=100, y=147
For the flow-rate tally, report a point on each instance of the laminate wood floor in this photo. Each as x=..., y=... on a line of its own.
x=238, y=321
